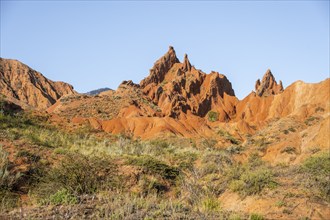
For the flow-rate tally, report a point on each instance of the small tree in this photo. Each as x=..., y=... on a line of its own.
x=213, y=116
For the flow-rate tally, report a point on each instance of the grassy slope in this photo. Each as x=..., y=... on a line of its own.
x=96, y=175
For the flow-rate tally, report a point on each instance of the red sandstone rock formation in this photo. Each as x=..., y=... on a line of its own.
x=22, y=83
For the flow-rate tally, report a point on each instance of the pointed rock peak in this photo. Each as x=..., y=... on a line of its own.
x=268, y=72
x=161, y=67
x=268, y=85
x=170, y=52
x=268, y=75
x=186, y=64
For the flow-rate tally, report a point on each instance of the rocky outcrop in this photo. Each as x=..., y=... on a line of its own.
x=299, y=99
x=180, y=88
x=268, y=86
x=186, y=64
x=22, y=83
x=128, y=83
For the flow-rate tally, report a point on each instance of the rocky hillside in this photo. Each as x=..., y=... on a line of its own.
x=178, y=99
x=180, y=135
x=21, y=83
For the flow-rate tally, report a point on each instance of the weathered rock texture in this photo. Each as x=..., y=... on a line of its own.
x=299, y=99
x=268, y=85
x=175, y=99
x=180, y=88
x=22, y=83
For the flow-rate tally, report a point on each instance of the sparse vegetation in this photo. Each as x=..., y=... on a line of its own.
x=8, y=183
x=316, y=170
x=255, y=216
x=228, y=137
x=309, y=121
x=213, y=116
x=252, y=182
x=62, y=197
x=289, y=150
x=156, y=167
x=156, y=179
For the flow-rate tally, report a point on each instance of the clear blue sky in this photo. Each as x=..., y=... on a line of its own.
x=99, y=44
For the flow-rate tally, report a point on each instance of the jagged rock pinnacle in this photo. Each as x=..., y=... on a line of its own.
x=186, y=64
x=268, y=85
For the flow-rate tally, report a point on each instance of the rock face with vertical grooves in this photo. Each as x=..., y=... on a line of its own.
x=180, y=88
x=20, y=82
x=268, y=85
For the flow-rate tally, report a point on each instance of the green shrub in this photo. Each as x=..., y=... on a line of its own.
x=317, y=170
x=36, y=138
x=8, y=200
x=8, y=183
x=234, y=149
x=280, y=203
x=228, y=137
x=61, y=151
x=19, y=120
x=63, y=197
x=289, y=150
x=30, y=156
x=255, y=216
x=208, y=143
x=210, y=204
x=151, y=185
x=154, y=166
x=254, y=160
x=77, y=174
x=213, y=116
x=253, y=182
x=185, y=160
x=261, y=143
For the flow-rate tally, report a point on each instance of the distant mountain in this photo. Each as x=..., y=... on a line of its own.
x=21, y=83
x=98, y=91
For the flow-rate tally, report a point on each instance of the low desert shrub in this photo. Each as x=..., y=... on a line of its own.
x=62, y=197
x=8, y=183
x=234, y=149
x=253, y=181
x=76, y=175
x=210, y=204
x=289, y=150
x=317, y=170
x=228, y=137
x=155, y=167
x=213, y=116
x=250, y=178
x=255, y=216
